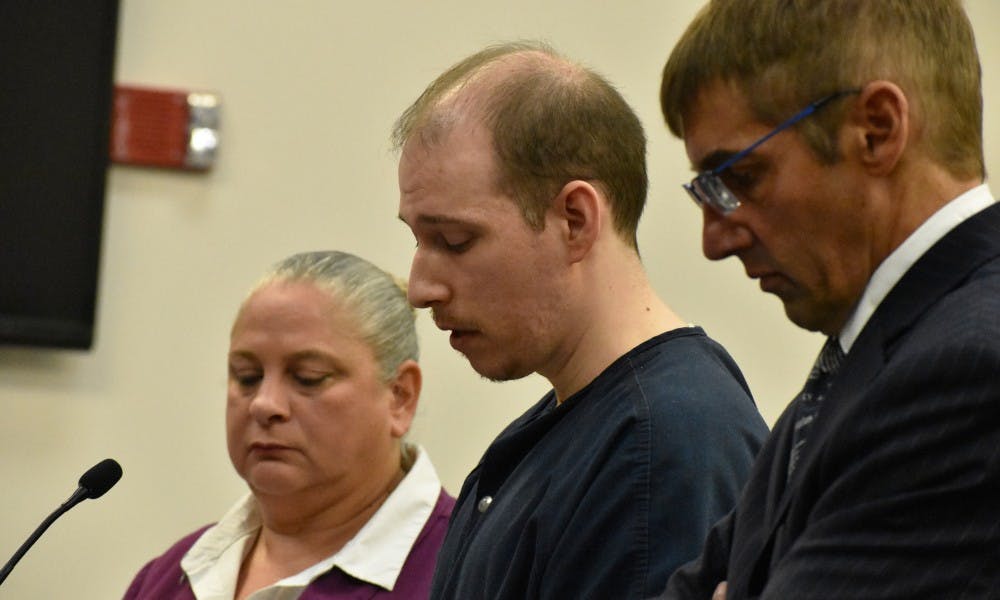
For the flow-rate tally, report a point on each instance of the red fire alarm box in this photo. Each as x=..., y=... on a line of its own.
x=164, y=128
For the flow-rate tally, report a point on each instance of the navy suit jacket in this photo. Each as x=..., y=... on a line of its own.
x=897, y=493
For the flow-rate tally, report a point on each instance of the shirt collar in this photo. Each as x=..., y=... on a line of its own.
x=376, y=554
x=213, y=562
x=892, y=269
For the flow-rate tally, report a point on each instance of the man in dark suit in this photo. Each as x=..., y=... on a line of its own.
x=838, y=145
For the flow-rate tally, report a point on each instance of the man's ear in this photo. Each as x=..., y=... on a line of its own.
x=581, y=210
x=405, y=394
x=881, y=119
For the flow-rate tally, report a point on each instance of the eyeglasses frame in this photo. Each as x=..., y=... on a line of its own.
x=708, y=189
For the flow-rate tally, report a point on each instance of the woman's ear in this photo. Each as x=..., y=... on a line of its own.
x=581, y=209
x=405, y=388
x=881, y=120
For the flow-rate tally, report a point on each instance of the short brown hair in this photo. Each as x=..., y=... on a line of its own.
x=784, y=54
x=551, y=121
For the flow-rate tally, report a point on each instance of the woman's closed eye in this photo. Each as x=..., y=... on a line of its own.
x=244, y=378
x=311, y=379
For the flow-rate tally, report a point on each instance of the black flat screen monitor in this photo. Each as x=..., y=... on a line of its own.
x=56, y=86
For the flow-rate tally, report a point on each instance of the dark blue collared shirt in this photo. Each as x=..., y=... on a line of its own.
x=604, y=495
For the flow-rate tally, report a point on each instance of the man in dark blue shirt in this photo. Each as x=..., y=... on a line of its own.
x=522, y=177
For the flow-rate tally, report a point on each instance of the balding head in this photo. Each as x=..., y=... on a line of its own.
x=552, y=121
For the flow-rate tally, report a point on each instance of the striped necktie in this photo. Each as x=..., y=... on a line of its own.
x=809, y=400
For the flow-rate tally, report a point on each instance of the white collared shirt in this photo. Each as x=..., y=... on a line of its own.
x=376, y=554
x=892, y=269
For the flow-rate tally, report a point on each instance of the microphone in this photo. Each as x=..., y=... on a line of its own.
x=93, y=484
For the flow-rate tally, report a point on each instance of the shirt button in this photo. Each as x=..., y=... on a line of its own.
x=484, y=503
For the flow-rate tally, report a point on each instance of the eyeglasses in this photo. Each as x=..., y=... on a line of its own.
x=707, y=188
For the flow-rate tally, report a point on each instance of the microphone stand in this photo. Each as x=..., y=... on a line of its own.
x=78, y=496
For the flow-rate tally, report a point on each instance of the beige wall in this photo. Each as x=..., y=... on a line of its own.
x=310, y=91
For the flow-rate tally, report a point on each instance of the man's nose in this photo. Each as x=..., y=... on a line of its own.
x=722, y=236
x=427, y=286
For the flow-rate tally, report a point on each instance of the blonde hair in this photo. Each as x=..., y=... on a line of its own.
x=376, y=299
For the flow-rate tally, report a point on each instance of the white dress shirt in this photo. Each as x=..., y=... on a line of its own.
x=892, y=269
x=376, y=554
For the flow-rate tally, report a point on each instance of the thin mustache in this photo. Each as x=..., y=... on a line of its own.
x=444, y=323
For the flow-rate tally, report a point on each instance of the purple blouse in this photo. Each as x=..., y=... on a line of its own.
x=163, y=579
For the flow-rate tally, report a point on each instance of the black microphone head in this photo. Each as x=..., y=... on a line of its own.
x=101, y=477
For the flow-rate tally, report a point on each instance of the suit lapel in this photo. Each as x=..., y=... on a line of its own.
x=941, y=269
